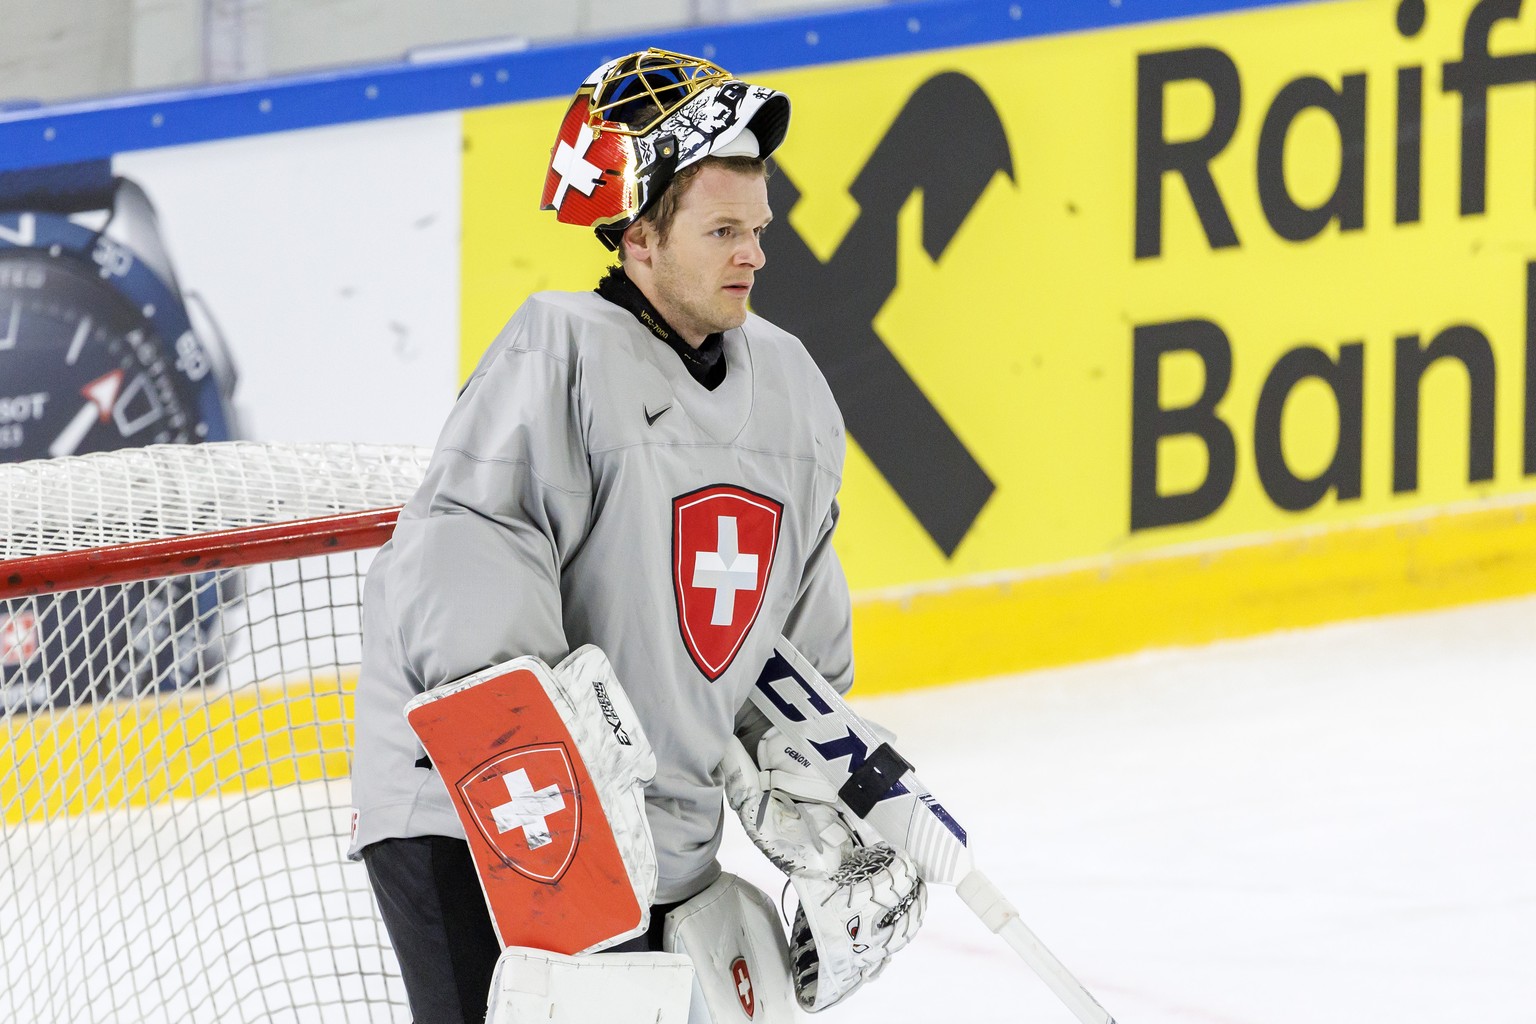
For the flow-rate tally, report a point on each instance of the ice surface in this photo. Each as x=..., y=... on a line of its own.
x=1331, y=825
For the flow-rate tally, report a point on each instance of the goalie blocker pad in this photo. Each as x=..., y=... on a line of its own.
x=546, y=770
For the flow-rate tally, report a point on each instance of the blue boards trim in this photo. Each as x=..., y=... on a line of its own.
x=93, y=129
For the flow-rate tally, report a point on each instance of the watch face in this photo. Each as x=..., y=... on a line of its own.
x=96, y=351
x=81, y=369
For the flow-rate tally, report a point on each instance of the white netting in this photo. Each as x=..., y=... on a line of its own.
x=91, y=501
x=174, y=780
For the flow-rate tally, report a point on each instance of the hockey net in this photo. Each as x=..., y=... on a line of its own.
x=179, y=640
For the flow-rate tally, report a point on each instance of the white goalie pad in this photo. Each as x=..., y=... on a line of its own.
x=534, y=986
x=731, y=933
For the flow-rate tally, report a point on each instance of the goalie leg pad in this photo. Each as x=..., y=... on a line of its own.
x=547, y=770
x=534, y=986
x=731, y=932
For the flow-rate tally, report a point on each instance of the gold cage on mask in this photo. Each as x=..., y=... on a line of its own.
x=665, y=79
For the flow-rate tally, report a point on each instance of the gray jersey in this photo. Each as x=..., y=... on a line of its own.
x=586, y=489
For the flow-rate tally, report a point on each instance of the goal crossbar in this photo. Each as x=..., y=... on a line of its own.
x=238, y=547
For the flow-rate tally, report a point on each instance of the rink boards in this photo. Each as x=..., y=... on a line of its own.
x=1151, y=323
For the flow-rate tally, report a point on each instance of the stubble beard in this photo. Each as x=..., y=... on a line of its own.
x=688, y=310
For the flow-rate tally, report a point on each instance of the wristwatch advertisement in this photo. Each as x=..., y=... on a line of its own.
x=99, y=347
x=99, y=350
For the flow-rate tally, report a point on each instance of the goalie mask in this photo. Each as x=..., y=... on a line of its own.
x=637, y=121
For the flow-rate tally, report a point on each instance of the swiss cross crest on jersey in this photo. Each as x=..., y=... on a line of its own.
x=723, y=542
x=528, y=808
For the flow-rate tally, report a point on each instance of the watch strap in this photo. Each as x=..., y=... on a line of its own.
x=59, y=188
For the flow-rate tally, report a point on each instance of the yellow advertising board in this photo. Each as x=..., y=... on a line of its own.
x=1153, y=334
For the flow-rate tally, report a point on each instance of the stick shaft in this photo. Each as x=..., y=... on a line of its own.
x=989, y=904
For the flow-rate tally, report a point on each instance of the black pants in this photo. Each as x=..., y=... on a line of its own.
x=435, y=914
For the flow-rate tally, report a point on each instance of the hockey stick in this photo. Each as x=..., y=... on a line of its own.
x=879, y=786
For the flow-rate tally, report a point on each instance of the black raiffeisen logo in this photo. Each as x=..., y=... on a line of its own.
x=948, y=142
x=1222, y=420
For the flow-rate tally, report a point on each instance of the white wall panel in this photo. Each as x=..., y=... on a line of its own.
x=330, y=259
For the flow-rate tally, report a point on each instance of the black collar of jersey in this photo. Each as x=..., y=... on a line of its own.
x=706, y=364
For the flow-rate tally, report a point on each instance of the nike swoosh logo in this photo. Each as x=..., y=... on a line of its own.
x=650, y=420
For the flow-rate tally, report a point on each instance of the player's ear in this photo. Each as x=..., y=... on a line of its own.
x=639, y=241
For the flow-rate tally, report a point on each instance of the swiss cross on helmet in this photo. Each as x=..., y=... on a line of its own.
x=637, y=121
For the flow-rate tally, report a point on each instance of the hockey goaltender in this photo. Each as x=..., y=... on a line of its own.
x=637, y=486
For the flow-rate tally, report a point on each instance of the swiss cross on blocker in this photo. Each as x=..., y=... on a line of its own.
x=723, y=542
x=522, y=810
x=546, y=856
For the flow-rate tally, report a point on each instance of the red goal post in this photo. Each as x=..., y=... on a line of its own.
x=180, y=628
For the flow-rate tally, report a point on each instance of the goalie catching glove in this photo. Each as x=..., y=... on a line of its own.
x=860, y=900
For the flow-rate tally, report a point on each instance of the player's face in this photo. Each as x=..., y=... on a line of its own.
x=702, y=275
